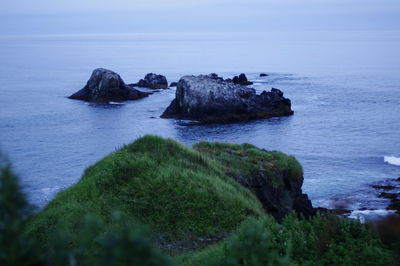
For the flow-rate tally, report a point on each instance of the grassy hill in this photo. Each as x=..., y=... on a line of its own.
x=181, y=194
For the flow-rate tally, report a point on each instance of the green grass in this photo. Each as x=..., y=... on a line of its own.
x=175, y=190
x=246, y=160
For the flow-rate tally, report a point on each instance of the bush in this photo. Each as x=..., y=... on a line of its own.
x=15, y=248
x=124, y=244
x=257, y=243
x=318, y=241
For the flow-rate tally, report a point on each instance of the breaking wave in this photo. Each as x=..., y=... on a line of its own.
x=392, y=160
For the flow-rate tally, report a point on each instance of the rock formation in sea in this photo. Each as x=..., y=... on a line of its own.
x=104, y=86
x=210, y=99
x=241, y=80
x=153, y=81
x=173, y=84
x=264, y=75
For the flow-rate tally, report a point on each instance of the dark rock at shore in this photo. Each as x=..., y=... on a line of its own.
x=105, y=85
x=241, y=80
x=278, y=201
x=264, y=75
x=387, y=195
x=211, y=99
x=384, y=187
x=336, y=211
x=153, y=81
x=173, y=84
x=394, y=205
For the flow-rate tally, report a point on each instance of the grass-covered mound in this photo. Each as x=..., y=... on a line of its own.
x=178, y=192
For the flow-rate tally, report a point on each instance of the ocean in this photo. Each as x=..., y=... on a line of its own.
x=344, y=88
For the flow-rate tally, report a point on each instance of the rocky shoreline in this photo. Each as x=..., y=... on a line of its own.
x=391, y=192
x=387, y=190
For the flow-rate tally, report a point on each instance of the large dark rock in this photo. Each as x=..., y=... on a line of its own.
x=278, y=200
x=105, y=85
x=241, y=80
x=153, y=81
x=209, y=99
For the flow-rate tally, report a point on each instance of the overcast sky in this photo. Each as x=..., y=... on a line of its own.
x=131, y=16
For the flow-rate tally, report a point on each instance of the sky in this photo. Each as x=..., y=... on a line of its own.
x=141, y=16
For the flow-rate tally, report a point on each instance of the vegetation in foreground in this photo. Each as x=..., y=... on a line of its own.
x=80, y=228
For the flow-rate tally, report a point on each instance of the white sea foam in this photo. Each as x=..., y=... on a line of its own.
x=392, y=160
x=366, y=215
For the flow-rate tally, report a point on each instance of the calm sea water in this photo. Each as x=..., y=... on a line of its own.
x=344, y=87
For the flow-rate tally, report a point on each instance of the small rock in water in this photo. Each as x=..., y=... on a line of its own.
x=153, y=81
x=241, y=80
x=173, y=84
x=107, y=86
x=264, y=75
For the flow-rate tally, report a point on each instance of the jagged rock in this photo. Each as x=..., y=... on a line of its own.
x=173, y=84
x=241, y=80
x=279, y=200
x=153, y=81
x=209, y=99
x=105, y=85
x=264, y=75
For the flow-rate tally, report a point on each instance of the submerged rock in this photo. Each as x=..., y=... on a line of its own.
x=209, y=99
x=153, y=81
x=241, y=80
x=105, y=85
x=387, y=195
x=336, y=211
